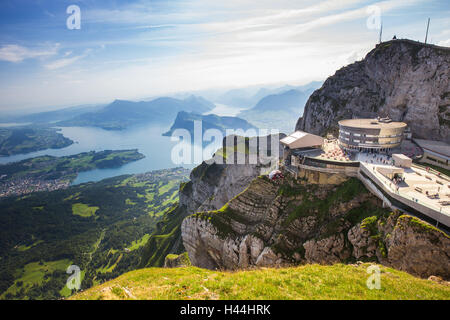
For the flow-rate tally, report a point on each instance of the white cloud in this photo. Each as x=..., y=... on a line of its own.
x=16, y=53
x=283, y=30
x=64, y=62
x=61, y=63
x=444, y=43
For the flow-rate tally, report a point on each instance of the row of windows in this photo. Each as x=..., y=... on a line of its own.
x=368, y=141
x=370, y=135
x=364, y=135
x=392, y=136
x=436, y=160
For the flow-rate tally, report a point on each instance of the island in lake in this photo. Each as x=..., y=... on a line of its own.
x=48, y=173
x=185, y=120
x=21, y=140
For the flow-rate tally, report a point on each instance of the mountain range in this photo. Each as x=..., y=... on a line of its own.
x=248, y=97
x=122, y=114
x=275, y=111
x=53, y=116
x=266, y=107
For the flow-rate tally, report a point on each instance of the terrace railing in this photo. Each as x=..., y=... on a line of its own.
x=433, y=171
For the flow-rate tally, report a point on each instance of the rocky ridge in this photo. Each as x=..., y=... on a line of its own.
x=406, y=80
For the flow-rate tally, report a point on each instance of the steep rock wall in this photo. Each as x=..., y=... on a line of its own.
x=406, y=80
x=296, y=222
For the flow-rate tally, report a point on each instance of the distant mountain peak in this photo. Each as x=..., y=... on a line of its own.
x=121, y=114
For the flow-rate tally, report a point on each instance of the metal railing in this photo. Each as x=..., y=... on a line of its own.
x=433, y=171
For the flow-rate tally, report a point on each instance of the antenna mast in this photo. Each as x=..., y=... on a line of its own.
x=428, y=27
x=381, y=31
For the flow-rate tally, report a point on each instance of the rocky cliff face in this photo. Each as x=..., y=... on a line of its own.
x=212, y=184
x=405, y=80
x=403, y=242
x=301, y=221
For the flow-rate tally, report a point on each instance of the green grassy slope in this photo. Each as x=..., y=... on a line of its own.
x=305, y=282
x=165, y=239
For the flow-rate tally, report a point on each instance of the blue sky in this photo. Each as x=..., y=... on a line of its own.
x=138, y=49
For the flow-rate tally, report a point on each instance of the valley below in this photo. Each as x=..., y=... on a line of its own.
x=101, y=227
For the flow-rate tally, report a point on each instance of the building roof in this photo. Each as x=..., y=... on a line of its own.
x=401, y=160
x=300, y=139
x=371, y=124
x=401, y=156
x=439, y=147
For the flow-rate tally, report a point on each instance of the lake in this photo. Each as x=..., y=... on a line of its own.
x=147, y=139
x=225, y=111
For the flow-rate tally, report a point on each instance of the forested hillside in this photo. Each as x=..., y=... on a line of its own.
x=26, y=139
x=100, y=227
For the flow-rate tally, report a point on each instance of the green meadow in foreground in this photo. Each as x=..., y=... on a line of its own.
x=305, y=282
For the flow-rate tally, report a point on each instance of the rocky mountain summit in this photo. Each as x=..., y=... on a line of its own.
x=406, y=80
x=320, y=218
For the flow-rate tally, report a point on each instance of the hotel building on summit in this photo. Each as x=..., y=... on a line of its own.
x=373, y=151
x=371, y=135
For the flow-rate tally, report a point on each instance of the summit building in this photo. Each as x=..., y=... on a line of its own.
x=371, y=135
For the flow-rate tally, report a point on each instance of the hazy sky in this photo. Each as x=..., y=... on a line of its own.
x=135, y=49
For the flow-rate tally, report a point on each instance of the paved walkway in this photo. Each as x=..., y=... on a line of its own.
x=414, y=177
